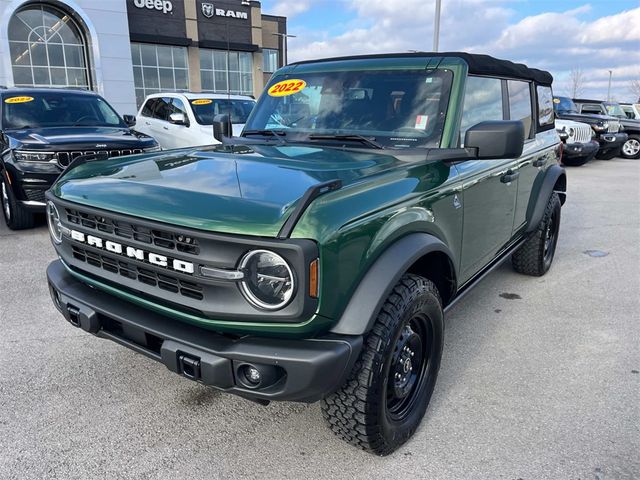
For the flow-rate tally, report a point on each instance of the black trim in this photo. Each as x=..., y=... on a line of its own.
x=309, y=196
x=536, y=210
x=216, y=45
x=478, y=64
x=299, y=368
x=160, y=39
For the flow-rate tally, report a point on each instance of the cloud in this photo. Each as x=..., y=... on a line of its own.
x=290, y=8
x=557, y=41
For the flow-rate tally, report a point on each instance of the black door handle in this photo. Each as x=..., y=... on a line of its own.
x=539, y=162
x=509, y=177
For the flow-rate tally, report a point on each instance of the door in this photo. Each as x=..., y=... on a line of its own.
x=145, y=117
x=489, y=187
x=178, y=136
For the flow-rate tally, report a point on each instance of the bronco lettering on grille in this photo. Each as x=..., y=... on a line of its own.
x=131, y=252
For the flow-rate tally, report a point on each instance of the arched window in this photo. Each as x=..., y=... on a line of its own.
x=48, y=48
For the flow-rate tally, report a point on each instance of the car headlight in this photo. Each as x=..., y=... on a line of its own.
x=268, y=282
x=600, y=127
x=572, y=132
x=53, y=220
x=27, y=156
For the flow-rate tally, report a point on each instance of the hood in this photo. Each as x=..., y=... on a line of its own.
x=585, y=117
x=570, y=123
x=230, y=189
x=78, y=138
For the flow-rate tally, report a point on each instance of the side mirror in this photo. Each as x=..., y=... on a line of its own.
x=496, y=140
x=178, y=119
x=129, y=120
x=221, y=127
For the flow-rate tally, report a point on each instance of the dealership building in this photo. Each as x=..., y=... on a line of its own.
x=126, y=49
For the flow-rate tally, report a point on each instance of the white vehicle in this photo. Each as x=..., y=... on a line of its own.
x=179, y=120
x=580, y=144
x=631, y=110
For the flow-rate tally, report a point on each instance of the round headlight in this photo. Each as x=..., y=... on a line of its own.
x=53, y=219
x=268, y=282
x=571, y=132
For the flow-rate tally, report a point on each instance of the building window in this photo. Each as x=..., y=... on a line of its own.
x=47, y=48
x=158, y=68
x=270, y=60
x=223, y=72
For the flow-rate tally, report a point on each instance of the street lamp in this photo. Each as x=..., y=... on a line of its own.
x=285, y=37
x=609, y=89
x=436, y=26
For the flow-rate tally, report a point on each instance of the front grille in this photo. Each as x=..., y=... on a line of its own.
x=150, y=236
x=35, y=195
x=143, y=275
x=614, y=127
x=583, y=134
x=65, y=158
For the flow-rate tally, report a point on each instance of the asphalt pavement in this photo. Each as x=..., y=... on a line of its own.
x=539, y=379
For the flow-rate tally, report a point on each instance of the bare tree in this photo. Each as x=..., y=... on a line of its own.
x=634, y=88
x=576, y=82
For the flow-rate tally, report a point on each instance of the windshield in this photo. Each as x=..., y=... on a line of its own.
x=397, y=109
x=564, y=105
x=614, y=109
x=57, y=109
x=205, y=109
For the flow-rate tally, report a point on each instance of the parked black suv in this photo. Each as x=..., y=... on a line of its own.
x=631, y=147
x=607, y=128
x=42, y=131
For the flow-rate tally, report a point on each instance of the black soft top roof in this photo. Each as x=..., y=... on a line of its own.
x=478, y=64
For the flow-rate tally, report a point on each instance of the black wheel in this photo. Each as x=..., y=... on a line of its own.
x=631, y=148
x=535, y=256
x=15, y=215
x=382, y=403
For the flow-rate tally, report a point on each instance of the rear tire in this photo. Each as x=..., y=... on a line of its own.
x=382, y=403
x=631, y=148
x=15, y=215
x=535, y=256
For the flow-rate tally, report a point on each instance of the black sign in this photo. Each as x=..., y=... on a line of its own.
x=220, y=22
x=157, y=21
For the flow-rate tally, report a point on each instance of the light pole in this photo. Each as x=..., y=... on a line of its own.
x=609, y=89
x=436, y=26
x=285, y=37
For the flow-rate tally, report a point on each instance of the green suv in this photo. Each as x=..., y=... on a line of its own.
x=313, y=258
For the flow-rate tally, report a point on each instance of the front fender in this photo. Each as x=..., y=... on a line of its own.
x=554, y=179
x=384, y=274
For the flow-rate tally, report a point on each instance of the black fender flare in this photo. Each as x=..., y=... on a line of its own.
x=548, y=183
x=373, y=290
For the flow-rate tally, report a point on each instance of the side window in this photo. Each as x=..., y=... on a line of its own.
x=147, y=110
x=520, y=103
x=482, y=101
x=545, y=106
x=163, y=109
x=591, y=108
x=177, y=106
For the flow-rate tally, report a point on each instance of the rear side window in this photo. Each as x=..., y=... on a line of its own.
x=545, y=107
x=520, y=104
x=482, y=102
x=147, y=110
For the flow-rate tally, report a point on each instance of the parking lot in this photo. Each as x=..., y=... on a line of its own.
x=539, y=380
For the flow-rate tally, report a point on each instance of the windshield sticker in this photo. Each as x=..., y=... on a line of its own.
x=556, y=100
x=19, y=100
x=287, y=87
x=202, y=101
x=421, y=122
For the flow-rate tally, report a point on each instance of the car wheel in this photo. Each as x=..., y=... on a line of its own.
x=382, y=403
x=535, y=256
x=631, y=148
x=15, y=215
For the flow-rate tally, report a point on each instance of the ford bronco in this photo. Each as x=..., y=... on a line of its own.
x=313, y=258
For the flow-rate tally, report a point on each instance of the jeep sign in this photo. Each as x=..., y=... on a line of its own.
x=164, y=6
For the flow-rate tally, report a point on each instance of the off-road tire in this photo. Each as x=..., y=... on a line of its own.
x=532, y=258
x=629, y=146
x=359, y=412
x=19, y=218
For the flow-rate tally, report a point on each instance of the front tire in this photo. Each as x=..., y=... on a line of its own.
x=15, y=215
x=535, y=256
x=631, y=148
x=382, y=403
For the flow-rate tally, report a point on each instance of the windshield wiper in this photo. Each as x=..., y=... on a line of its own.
x=369, y=141
x=276, y=134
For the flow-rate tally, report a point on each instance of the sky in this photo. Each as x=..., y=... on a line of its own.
x=556, y=35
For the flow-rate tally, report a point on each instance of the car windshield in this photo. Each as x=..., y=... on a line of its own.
x=564, y=105
x=57, y=109
x=396, y=109
x=205, y=109
x=614, y=109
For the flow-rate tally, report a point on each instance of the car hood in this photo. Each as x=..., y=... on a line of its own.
x=585, y=118
x=78, y=138
x=230, y=189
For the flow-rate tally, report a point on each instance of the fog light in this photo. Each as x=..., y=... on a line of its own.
x=252, y=374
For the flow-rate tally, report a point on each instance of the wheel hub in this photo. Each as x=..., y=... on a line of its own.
x=406, y=363
x=631, y=147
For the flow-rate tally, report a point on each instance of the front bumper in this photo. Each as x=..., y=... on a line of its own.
x=580, y=150
x=610, y=141
x=293, y=370
x=29, y=183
